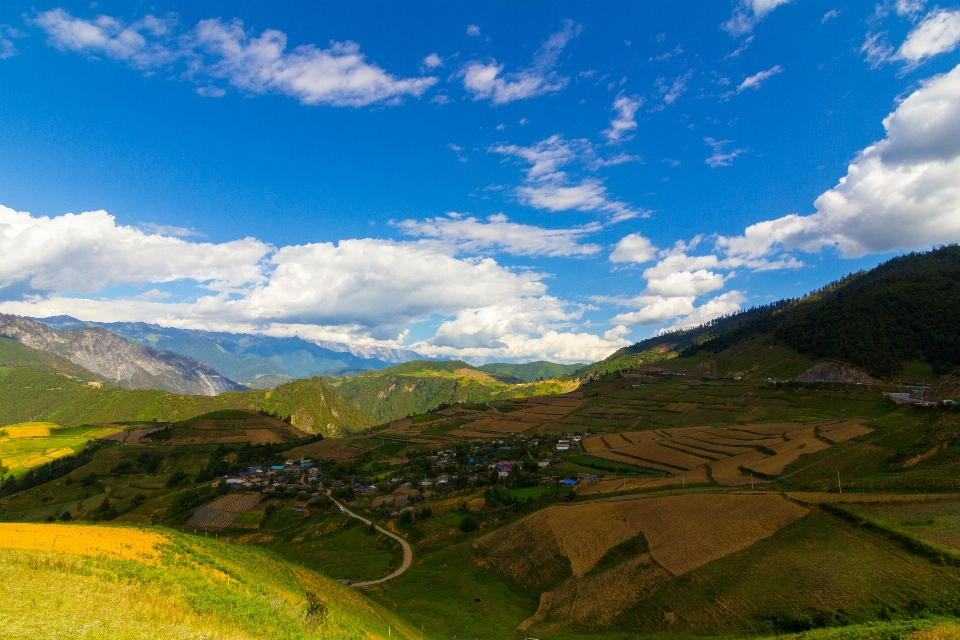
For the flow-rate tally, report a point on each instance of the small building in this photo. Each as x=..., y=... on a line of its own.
x=587, y=478
x=543, y=464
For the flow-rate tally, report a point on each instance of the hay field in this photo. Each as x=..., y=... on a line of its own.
x=127, y=543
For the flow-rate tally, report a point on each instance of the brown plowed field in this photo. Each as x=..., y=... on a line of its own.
x=221, y=513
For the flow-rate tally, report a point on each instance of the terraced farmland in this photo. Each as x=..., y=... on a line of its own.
x=31, y=444
x=221, y=513
x=731, y=456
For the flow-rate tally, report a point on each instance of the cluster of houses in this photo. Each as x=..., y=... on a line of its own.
x=442, y=471
x=292, y=474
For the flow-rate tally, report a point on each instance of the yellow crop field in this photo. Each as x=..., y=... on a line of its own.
x=127, y=543
x=30, y=429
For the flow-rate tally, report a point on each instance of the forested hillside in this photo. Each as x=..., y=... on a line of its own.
x=38, y=386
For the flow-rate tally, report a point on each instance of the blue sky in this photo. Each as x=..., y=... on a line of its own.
x=498, y=181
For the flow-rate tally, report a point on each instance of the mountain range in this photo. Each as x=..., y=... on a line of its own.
x=260, y=362
x=129, y=365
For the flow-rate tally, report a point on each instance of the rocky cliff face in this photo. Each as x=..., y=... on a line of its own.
x=130, y=365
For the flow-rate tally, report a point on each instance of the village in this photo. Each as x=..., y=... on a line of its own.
x=395, y=485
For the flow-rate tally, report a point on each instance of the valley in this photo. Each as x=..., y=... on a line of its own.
x=716, y=482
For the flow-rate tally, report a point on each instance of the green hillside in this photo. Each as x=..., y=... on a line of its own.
x=905, y=309
x=14, y=355
x=420, y=386
x=532, y=371
x=191, y=588
x=32, y=394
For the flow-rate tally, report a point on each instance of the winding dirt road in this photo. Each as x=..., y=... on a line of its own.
x=407, y=551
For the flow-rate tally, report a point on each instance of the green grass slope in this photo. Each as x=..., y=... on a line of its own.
x=421, y=386
x=30, y=394
x=200, y=588
x=532, y=371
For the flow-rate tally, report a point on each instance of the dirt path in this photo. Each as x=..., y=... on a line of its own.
x=407, y=551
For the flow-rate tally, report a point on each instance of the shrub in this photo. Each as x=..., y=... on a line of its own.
x=469, y=523
x=176, y=478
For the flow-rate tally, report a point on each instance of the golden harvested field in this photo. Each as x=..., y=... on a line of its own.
x=727, y=471
x=660, y=454
x=787, y=452
x=595, y=600
x=638, y=437
x=616, y=456
x=683, y=531
x=695, y=451
x=615, y=441
x=706, y=445
x=843, y=431
x=594, y=443
x=127, y=543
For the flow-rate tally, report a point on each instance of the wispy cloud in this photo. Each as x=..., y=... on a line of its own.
x=754, y=81
x=748, y=13
x=720, y=157
x=672, y=92
x=625, y=120
x=498, y=233
x=486, y=81
x=549, y=187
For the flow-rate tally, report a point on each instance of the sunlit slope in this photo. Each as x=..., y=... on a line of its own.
x=116, y=582
x=420, y=386
x=33, y=394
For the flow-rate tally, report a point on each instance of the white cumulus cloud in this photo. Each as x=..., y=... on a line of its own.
x=939, y=32
x=86, y=252
x=900, y=193
x=219, y=50
x=633, y=248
